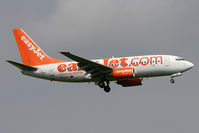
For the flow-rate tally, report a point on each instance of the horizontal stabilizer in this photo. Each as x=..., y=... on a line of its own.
x=22, y=66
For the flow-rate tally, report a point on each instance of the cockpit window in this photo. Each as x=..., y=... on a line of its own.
x=179, y=59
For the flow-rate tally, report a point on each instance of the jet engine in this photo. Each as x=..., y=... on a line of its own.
x=130, y=82
x=123, y=73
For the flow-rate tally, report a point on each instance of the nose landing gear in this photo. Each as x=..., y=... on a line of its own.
x=174, y=75
x=172, y=81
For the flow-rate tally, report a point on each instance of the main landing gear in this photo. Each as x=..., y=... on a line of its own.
x=105, y=85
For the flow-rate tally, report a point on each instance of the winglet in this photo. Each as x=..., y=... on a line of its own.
x=64, y=52
x=72, y=56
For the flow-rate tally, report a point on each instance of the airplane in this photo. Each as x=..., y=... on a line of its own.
x=125, y=71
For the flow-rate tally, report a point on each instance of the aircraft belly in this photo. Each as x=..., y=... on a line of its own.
x=62, y=78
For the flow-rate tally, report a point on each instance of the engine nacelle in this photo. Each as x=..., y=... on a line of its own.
x=123, y=73
x=131, y=82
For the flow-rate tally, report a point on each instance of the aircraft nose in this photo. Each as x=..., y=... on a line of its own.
x=189, y=65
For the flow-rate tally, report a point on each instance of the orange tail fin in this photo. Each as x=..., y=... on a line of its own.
x=30, y=53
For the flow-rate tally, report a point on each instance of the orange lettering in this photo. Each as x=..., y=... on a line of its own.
x=61, y=68
x=72, y=67
x=156, y=59
x=144, y=63
x=106, y=62
x=123, y=62
x=114, y=63
x=135, y=64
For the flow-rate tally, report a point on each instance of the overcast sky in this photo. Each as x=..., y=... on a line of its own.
x=98, y=29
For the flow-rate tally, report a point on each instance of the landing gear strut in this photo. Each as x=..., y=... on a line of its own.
x=105, y=86
x=174, y=75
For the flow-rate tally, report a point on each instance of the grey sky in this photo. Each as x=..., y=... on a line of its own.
x=97, y=29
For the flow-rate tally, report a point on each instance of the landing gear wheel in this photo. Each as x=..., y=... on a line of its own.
x=172, y=81
x=107, y=89
x=101, y=84
x=105, y=85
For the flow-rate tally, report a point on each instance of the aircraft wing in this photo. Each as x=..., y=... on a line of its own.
x=94, y=68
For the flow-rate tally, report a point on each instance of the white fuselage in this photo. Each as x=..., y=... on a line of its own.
x=144, y=66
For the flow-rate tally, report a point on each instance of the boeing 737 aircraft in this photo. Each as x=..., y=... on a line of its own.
x=125, y=71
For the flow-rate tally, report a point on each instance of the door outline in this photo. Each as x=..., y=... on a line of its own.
x=167, y=60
